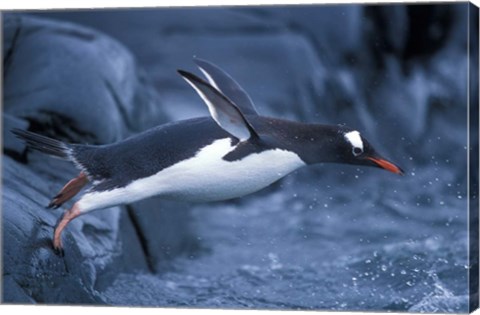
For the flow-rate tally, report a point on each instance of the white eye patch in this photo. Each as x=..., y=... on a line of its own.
x=354, y=138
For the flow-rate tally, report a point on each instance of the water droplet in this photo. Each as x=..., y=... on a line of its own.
x=384, y=268
x=403, y=272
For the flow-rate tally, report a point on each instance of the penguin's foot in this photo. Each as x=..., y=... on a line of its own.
x=69, y=190
x=60, y=226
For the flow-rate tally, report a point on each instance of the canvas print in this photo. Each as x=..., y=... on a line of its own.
x=300, y=157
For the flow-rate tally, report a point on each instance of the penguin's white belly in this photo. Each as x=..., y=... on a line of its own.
x=204, y=177
x=207, y=177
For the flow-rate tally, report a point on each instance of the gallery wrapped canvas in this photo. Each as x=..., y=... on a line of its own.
x=300, y=157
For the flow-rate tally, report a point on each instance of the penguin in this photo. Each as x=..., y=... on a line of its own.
x=232, y=153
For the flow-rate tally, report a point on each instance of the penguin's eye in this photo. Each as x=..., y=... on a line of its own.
x=357, y=151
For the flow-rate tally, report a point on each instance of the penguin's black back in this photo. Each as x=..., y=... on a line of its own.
x=145, y=154
x=117, y=165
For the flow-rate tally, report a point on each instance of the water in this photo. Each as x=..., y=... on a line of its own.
x=373, y=242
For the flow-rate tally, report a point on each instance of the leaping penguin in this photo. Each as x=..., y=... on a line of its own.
x=233, y=153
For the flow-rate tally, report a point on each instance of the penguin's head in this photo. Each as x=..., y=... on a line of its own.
x=354, y=149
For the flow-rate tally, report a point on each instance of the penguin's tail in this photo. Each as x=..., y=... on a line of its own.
x=44, y=144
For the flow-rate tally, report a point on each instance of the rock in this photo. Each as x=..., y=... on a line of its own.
x=73, y=83
x=252, y=40
x=327, y=64
x=81, y=84
x=10, y=144
x=153, y=217
x=27, y=252
x=15, y=293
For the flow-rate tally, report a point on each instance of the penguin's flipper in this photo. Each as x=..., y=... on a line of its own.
x=223, y=82
x=225, y=113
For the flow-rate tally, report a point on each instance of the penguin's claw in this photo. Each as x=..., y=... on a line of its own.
x=52, y=205
x=58, y=251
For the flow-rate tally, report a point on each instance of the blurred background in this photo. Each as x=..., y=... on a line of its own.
x=330, y=237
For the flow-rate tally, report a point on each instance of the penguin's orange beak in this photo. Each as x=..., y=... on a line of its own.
x=386, y=165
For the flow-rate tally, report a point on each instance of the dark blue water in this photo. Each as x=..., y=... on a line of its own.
x=326, y=237
x=356, y=244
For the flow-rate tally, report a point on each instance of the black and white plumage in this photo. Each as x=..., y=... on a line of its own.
x=233, y=153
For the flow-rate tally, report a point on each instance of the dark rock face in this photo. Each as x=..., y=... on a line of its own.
x=326, y=237
x=81, y=84
x=76, y=84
